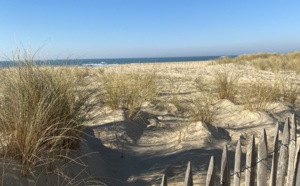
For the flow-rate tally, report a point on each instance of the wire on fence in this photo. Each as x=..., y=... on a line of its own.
x=269, y=153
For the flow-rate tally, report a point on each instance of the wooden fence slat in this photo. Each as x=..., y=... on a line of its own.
x=293, y=133
x=292, y=151
x=211, y=173
x=285, y=161
x=296, y=175
x=250, y=160
x=188, y=180
x=237, y=164
x=225, y=174
x=164, y=181
x=283, y=155
x=262, y=153
x=275, y=157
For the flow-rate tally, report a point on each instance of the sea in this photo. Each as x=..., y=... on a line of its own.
x=113, y=61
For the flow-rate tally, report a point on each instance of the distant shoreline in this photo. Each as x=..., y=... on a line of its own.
x=117, y=61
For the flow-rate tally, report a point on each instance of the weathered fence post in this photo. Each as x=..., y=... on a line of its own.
x=296, y=175
x=237, y=164
x=283, y=156
x=275, y=157
x=211, y=173
x=225, y=171
x=292, y=151
x=188, y=180
x=250, y=158
x=164, y=181
x=262, y=154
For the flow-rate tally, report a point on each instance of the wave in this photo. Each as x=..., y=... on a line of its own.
x=102, y=64
x=95, y=64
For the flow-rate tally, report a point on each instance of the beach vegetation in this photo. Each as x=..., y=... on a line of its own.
x=80, y=73
x=127, y=91
x=201, y=108
x=289, y=88
x=259, y=95
x=41, y=112
x=226, y=84
x=204, y=109
x=271, y=61
x=223, y=83
x=265, y=61
x=222, y=60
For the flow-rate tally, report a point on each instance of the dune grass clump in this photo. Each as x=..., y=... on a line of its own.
x=290, y=92
x=41, y=112
x=223, y=60
x=128, y=91
x=250, y=57
x=203, y=109
x=266, y=61
x=259, y=95
x=289, y=89
x=224, y=84
x=271, y=61
x=80, y=73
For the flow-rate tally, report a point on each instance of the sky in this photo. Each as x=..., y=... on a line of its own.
x=61, y=29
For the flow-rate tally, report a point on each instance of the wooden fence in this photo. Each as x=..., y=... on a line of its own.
x=285, y=168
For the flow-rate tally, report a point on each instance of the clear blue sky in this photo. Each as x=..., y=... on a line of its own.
x=149, y=28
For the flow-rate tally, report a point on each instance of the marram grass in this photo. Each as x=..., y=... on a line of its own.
x=128, y=91
x=224, y=84
x=41, y=110
x=266, y=61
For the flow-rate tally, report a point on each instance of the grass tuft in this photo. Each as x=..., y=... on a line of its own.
x=128, y=91
x=224, y=84
x=203, y=109
x=289, y=89
x=41, y=111
x=259, y=95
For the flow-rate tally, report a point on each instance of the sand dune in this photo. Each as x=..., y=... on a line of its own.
x=118, y=151
x=151, y=146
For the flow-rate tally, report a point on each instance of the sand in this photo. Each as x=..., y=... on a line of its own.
x=116, y=151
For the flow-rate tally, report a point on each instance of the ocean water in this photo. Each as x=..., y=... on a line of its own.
x=106, y=62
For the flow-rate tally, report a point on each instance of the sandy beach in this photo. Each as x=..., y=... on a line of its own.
x=149, y=93
x=117, y=151
x=151, y=148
